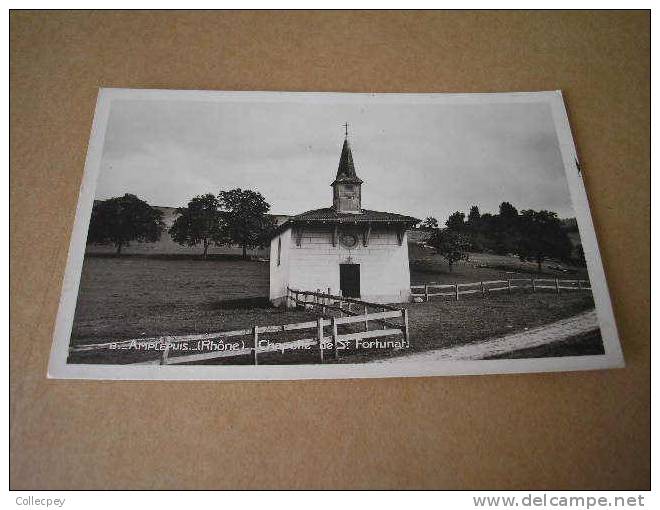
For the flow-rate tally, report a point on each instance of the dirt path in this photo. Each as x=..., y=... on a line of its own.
x=555, y=332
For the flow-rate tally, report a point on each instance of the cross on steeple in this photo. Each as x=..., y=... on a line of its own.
x=346, y=129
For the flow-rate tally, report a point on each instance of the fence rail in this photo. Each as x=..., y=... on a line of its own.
x=486, y=287
x=322, y=302
x=349, y=315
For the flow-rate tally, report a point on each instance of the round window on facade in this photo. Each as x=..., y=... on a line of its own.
x=348, y=240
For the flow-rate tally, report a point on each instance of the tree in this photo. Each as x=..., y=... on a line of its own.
x=481, y=232
x=507, y=211
x=541, y=237
x=474, y=216
x=245, y=215
x=451, y=245
x=120, y=220
x=456, y=221
x=508, y=218
x=505, y=230
x=429, y=223
x=200, y=222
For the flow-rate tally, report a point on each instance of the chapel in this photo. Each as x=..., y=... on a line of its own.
x=343, y=248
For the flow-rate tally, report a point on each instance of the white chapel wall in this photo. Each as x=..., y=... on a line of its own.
x=279, y=274
x=384, y=271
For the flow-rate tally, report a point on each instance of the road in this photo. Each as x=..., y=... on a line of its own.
x=549, y=333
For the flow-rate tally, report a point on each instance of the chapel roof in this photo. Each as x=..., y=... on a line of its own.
x=366, y=215
x=328, y=215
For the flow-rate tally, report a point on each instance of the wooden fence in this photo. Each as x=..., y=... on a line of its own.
x=322, y=303
x=353, y=311
x=380, y=313
x=486, y=287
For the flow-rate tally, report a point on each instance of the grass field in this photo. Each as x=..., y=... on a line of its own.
x=427, y=267
x=131, y=297
x=447, y=323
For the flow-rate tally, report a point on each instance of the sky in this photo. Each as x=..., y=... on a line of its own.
x=416, y=159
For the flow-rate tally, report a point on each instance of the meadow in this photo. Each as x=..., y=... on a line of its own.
x=130, y=297
x=426, y=267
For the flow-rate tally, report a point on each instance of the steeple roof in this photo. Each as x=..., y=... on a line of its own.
x=346, y=170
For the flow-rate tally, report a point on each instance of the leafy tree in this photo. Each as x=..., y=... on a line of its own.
x=456, y=221
x=474, y=216
x=245, y=215
x=504, y=230
x=542, y=237
x=120, y=220
x=507, y=211
x=451, y=245
x=200, y=222
x=481, y=232
x=429, y=223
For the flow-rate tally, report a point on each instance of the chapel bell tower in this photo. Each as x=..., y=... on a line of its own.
x=347, y=186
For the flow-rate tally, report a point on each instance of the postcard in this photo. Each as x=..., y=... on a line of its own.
x=276, y=235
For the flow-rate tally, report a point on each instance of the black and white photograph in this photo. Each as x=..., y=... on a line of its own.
x=314, y=235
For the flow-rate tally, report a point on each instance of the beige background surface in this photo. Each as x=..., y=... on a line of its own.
x=573, y=430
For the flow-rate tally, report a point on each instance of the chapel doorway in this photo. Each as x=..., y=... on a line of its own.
x=349, y=280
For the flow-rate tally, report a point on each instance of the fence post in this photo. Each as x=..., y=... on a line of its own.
x=366, y=318
x=426, y=292
x=255, y=336
x=579, y=284
x=319, y=329
x=334, y=338
x=456, y=288
x=406, y=333
x=508, y=284
x=483, y=290
x=166, y=353
x=557, y=284
x=533, y=285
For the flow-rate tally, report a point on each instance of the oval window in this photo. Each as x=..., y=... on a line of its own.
x=348, y=240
